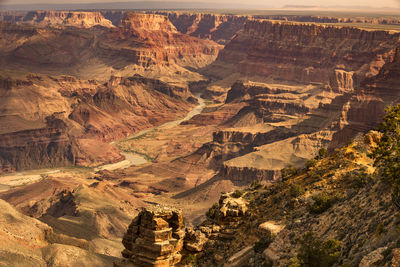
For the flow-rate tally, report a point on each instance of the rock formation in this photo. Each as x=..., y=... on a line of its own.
x=154, y=238
x=219, y=28
x=310, y=53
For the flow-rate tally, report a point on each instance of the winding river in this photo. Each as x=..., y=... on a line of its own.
x=134, y=159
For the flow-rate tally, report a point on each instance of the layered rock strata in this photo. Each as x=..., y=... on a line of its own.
x=61, y=18
x=219, y=28
x=154, y=238
x=307, y=52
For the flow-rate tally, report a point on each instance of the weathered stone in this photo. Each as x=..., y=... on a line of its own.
x=271, y=227
x=195, y=240
x=372, y=258
x=154, y=238
x=231, y=207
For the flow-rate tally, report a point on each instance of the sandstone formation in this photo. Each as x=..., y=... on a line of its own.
x=154, y=238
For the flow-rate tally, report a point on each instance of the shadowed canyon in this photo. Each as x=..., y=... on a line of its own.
x=105, y=116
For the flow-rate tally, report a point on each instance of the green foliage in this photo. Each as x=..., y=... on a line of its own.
x=256, y=185
x=379, y=229
x=316, y=253
x=262, y=243
x=387, y=153
x=294, y=262
x=322, y=153
x=358, y=178
x=190, y=259
x=212, y=212
x=238, y=193
x=288, y=172
x=322, y=202
x=296, y=190
x=310, y=164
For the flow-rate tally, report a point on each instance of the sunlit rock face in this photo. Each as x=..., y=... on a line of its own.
x=154, y=238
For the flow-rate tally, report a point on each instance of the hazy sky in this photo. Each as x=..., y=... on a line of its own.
x=266, y=3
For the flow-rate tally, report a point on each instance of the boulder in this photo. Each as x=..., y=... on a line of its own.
x=195, y=240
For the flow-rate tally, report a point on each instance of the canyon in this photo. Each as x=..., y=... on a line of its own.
x=104, y=113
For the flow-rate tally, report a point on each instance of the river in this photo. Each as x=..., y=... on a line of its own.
x=134, y=159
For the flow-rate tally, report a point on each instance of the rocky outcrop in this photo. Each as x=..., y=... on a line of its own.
x=220, y=28
x=38, y=148
x=342, y=81
x=154, y=238
x=159, y=33
x=194, y=240
x=246, y=175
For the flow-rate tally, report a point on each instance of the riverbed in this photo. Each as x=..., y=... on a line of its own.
x=135, y=159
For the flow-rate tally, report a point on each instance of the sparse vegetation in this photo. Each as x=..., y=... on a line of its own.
x=238, y=193
x=322, y=153
x=358, y=178
x=212, y=211
x=262, y=244
x=322, y=202
x=316, y=253
x=296, y=190
x=387, y=153
x=288, y=172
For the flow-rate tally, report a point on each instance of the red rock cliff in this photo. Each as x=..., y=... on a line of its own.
x=307, y=52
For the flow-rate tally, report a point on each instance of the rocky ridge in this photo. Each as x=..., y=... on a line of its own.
x=278, y=216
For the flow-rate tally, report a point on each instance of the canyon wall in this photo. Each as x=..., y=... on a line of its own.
x=61, y=121
x=303, y=86
x=219, y=28
x=307, y=53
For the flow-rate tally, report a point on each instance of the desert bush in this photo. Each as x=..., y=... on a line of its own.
x=316, y=253
x=238, y=193
x=262, y=243
x=310, y=164
x=322, y=153
x=322, y=202
x=387, y=152
x=288, y=172
x=358, y=178
x=212, y=212
x=296, y=190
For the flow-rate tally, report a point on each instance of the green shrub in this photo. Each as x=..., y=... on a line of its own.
x=322, y=202
x=358, y=178
x=288, y=172
x=190, y=259
x=316, y=253
x=238, y=193
x=212, y=212
x=296, y=190
x=387, y=153
x=322, y=153
x=262, y=243
x=379, y=229
x=310, y=164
